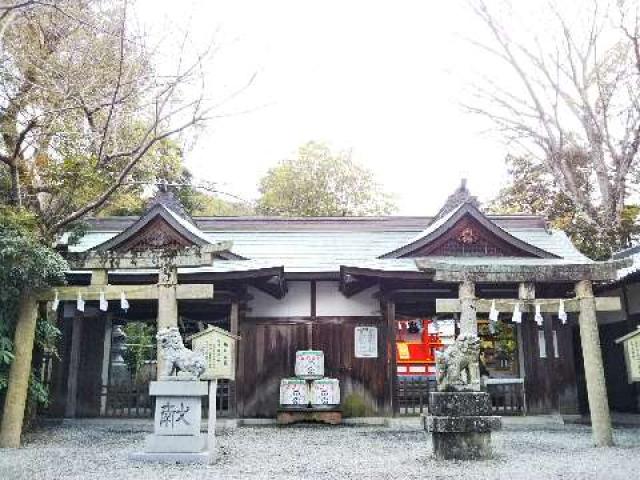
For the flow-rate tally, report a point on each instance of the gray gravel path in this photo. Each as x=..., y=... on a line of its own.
x=316, y=452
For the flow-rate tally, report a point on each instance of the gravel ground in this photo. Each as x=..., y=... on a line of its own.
x=318, y=452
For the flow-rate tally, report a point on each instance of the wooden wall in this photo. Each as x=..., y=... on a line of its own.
x=267, y=354
x=550, y=382
x=622, y=394
x=90, y=368
x=90, y=373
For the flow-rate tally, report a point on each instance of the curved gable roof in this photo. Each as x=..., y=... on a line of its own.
x=159, y=216
x=441, y=226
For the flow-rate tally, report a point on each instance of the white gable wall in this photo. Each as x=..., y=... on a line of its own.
x=296, y=303
x=330, y=302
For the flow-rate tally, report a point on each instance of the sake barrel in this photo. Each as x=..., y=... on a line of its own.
x=325, y=393
x=309, y=364
x=294, y=392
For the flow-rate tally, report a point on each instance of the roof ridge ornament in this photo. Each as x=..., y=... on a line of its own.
x=166, y=196
x=458, y=197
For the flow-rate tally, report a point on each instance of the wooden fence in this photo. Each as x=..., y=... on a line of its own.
x=134, y=401
x=507, y=395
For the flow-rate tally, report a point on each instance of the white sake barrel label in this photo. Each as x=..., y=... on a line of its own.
x=294, y=392
x=309, y=364
x=325, y=392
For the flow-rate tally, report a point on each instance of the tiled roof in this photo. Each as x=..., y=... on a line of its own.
x=634, y=254
x=324, y=244
x=441, y=225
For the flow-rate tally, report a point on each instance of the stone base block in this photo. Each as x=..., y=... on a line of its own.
x=175, y=443
x=462, y=446
x=289, y=416
x=477, y=424
x=447, y=404
x=178, y=389
x=170, y=458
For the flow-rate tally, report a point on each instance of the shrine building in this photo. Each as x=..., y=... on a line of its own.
x=288, y=284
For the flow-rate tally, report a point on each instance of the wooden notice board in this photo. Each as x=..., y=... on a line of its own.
x=631, y=344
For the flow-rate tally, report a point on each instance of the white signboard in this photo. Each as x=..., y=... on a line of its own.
x=631, y=344
x=219, y=348
x=366, y=342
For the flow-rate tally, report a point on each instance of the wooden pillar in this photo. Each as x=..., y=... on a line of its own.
x=70, y=409
x=234, y=319
x=392, y=407
x=593, y=367
x=16, y=399
x=468, y=320
x=239, y=383
x=167, y=303
x=106, y=362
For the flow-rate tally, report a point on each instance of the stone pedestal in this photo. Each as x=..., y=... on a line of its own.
x=460, y=424
x=330, y=416
x=176, y=436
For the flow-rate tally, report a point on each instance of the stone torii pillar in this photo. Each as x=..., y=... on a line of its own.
x=167, y=304
x=16, y=399
x=468, y=320
x=582, y=274
x=593, y=367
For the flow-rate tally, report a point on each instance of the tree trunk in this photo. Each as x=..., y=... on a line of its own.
x=14, y=189
x=15, y=402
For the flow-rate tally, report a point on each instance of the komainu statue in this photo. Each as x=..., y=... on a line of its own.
x=186, y=364
x=458, y=366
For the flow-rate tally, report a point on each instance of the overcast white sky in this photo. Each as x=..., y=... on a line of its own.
x=384, y=79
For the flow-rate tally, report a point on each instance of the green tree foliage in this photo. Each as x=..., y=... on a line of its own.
x=319, y=182
x=165, y=163
x=208, y=205
x=25, y=263
x=140, y=343
x=85, y=107
x=532, y=189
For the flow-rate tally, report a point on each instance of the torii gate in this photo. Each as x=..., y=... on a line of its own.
x=526, y=274
x=167, y=291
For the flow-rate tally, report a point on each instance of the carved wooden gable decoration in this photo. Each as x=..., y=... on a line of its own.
x=155, y=234
x=467, y=232
x=158, y=228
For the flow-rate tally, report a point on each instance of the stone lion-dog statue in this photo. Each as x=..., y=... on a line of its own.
x=185, y=363
x=458, y=366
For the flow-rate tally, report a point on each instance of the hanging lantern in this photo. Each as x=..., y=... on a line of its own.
x=56, y=302
x=124, y=303
x=80, y=302
x=493, y=312
x=104, y=305
x=562, y=314
x=517, y=314
x=538, y=317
